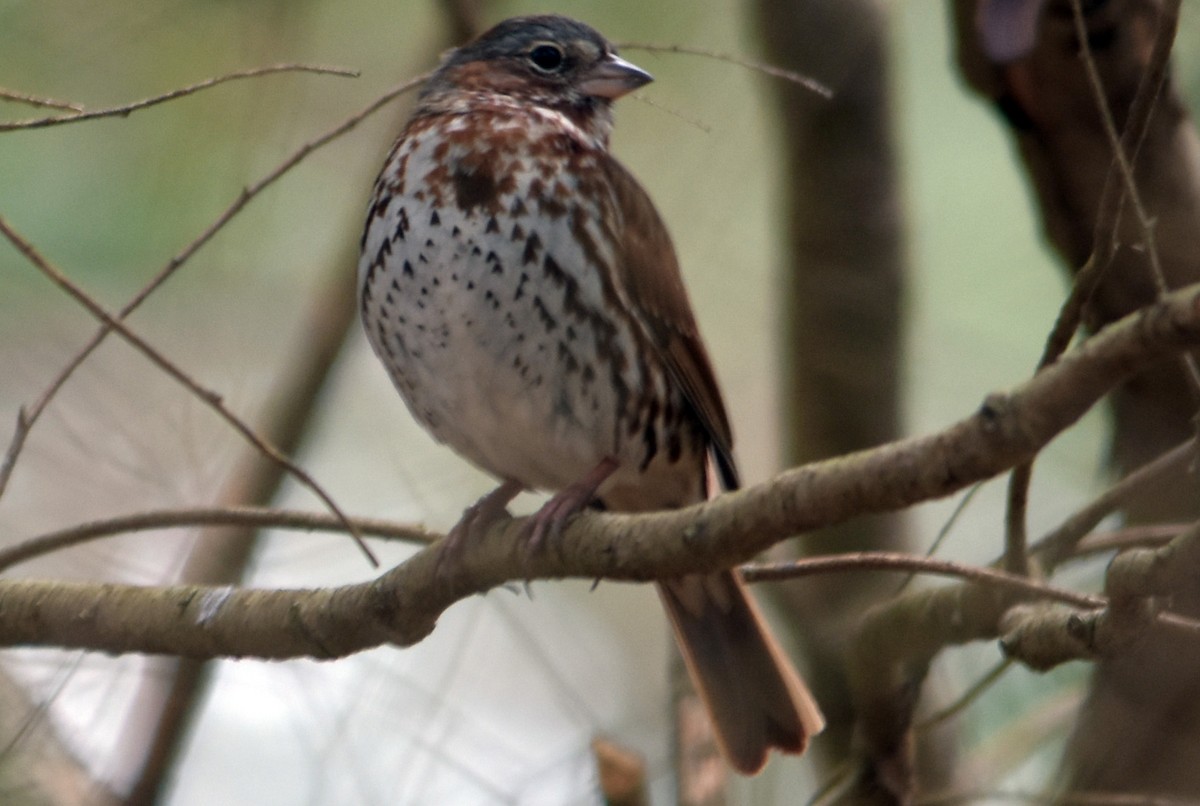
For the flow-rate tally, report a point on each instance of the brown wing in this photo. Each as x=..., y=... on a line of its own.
x=649, y=271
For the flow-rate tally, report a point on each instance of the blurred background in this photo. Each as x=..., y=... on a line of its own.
x=500, y=704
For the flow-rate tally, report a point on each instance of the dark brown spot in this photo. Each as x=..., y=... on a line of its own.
x=567, y=359
x=544, y=314
x=401, y=224
x=674, y=445
x=380, y=207
x=471, y=190
x=532, y=246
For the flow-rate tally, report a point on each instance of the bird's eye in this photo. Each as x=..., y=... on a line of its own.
x=547, y=57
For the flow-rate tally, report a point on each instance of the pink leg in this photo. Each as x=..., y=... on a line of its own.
x=549, y=521
x=476, y=519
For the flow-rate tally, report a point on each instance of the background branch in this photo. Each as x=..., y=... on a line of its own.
x=80, y=114
x=1133, y=735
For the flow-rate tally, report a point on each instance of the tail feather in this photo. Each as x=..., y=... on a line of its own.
x=755, y=698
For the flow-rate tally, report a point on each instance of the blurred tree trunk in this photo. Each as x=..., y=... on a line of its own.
x=1139, y=729
x=843, y=291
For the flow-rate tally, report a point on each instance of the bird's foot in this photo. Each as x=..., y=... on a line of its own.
x=475, y=521
x=547, y=524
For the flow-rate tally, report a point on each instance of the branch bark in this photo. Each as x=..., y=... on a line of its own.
x=402, y=605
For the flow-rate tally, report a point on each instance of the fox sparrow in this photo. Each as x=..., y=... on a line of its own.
x=523, y=294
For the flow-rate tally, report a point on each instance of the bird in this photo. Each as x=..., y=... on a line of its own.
x=524, y=295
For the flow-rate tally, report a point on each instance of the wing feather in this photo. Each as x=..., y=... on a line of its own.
x=649, y=270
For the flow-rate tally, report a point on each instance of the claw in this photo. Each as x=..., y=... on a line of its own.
x=475, y=521
x=548, y=523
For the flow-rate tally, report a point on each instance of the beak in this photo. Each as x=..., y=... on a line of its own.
x=613, y=77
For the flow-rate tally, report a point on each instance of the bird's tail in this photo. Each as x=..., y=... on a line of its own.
x=755, y=697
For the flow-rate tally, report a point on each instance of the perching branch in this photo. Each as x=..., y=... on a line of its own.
x=402, y=605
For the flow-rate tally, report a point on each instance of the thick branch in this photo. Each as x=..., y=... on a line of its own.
x=402, y=605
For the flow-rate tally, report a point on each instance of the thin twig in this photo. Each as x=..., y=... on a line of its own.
x=1153, y=80
x=1059, y=544
x=257, y=517
x=34, y=100
x=894, y=561
x=1108, y=211
x=1119, y=185
x=968, y=697
x=30, y=414
x=126, y=109
x=207, y=396
x=1123, y=164
x=750, y=64
x=944, y=532
x=1150, y=535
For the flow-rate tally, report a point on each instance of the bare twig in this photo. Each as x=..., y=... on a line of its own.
x=1112, y=194
x=943, y=532
x=124, y=110
x=1119, y=186
x=891, y=561
x=34, y=100
x=807, y=82
x=255, y=517
x=1135, y=128
x=29, y=415
x=968, y=697
x=207, y=396
x=1150, y=535
x=1061, y=542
